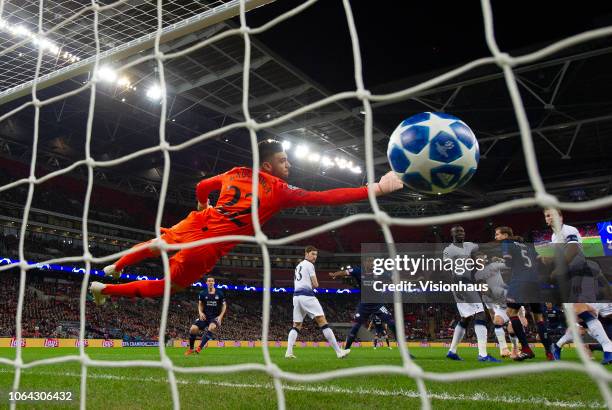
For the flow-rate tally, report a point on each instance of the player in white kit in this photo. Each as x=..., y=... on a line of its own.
x=576, y=262
x=495, y=298
x=469, y=304
x=305, y=304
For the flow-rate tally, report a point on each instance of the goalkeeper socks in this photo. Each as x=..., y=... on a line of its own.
x=387, y=340
x=565, y=339
x=457, y=337
x=205, y=338
x=192, y=339
x=481, y=337
x=134, y=258
x=543, y=333
x=293, y=334
x=596, y=330
x=519, y=331
x=331, y=338
x=501, y=337
x=139, y=288
x=352, y=335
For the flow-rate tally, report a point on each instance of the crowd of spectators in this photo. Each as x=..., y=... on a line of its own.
x=51, y=309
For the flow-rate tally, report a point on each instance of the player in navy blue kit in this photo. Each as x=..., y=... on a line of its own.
x=364, y=310
x=211, y=310
x=380, y=330
x=555, y=319
x=521, y=258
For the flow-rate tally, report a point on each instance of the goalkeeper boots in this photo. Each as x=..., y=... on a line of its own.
x=111, y=271
x=96, y=291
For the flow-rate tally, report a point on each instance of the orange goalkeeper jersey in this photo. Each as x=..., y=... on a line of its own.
x=232, y=213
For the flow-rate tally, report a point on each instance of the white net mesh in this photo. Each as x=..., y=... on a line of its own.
x=102, y=32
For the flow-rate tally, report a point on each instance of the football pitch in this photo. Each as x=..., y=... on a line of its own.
x=147, y=388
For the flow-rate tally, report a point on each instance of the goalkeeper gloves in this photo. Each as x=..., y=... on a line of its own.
x=388, y=183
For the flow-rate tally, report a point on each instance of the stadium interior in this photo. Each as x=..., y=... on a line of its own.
x=566, y=97
x=569, y=124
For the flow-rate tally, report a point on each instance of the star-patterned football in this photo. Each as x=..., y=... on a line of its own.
x=433, y=153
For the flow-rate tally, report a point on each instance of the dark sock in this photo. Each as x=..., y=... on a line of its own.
x=352, y=335
x=519, y=331
x=586, y=317
x=205, y=338
x=192, y=339
x=543, y=333
x=387, y=339
x=595, y=346
x=391, y=325
x=375, y=342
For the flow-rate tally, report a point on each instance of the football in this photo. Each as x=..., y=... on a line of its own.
x=433, y=153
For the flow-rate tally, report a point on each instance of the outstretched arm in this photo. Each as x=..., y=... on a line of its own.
x=300, y=197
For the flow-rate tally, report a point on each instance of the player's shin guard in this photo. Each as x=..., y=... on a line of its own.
x=352, y=335
x=596, y=330
x=480, y=327
x=331, y=338
x=291, y=339
x=208, y=335
x=192, y=339
x=543, y=333
x=519, y=331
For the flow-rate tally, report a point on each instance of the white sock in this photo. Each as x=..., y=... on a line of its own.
x=501, y=338
x=565, y=339
x=331, y=338
x=598, y=333
x=515, y=342
x=293, y=334
x=481, y=337
x=457, y=338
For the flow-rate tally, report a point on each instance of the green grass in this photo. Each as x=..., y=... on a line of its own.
x=591, y=246
x=145, y=388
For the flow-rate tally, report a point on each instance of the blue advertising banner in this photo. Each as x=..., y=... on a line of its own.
x=605, y=233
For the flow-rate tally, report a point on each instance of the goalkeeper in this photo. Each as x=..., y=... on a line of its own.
x=230, y=216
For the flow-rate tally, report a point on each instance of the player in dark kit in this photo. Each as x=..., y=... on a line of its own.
x=524, y=286
x=230, y=216
x=380, y=331
x=211, y=310
x=364, y=310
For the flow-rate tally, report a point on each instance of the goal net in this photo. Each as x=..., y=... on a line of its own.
x=62, y=48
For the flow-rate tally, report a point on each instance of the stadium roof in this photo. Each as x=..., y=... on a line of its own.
x=306, y=59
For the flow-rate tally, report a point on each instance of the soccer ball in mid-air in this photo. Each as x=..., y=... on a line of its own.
x=433, y=153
